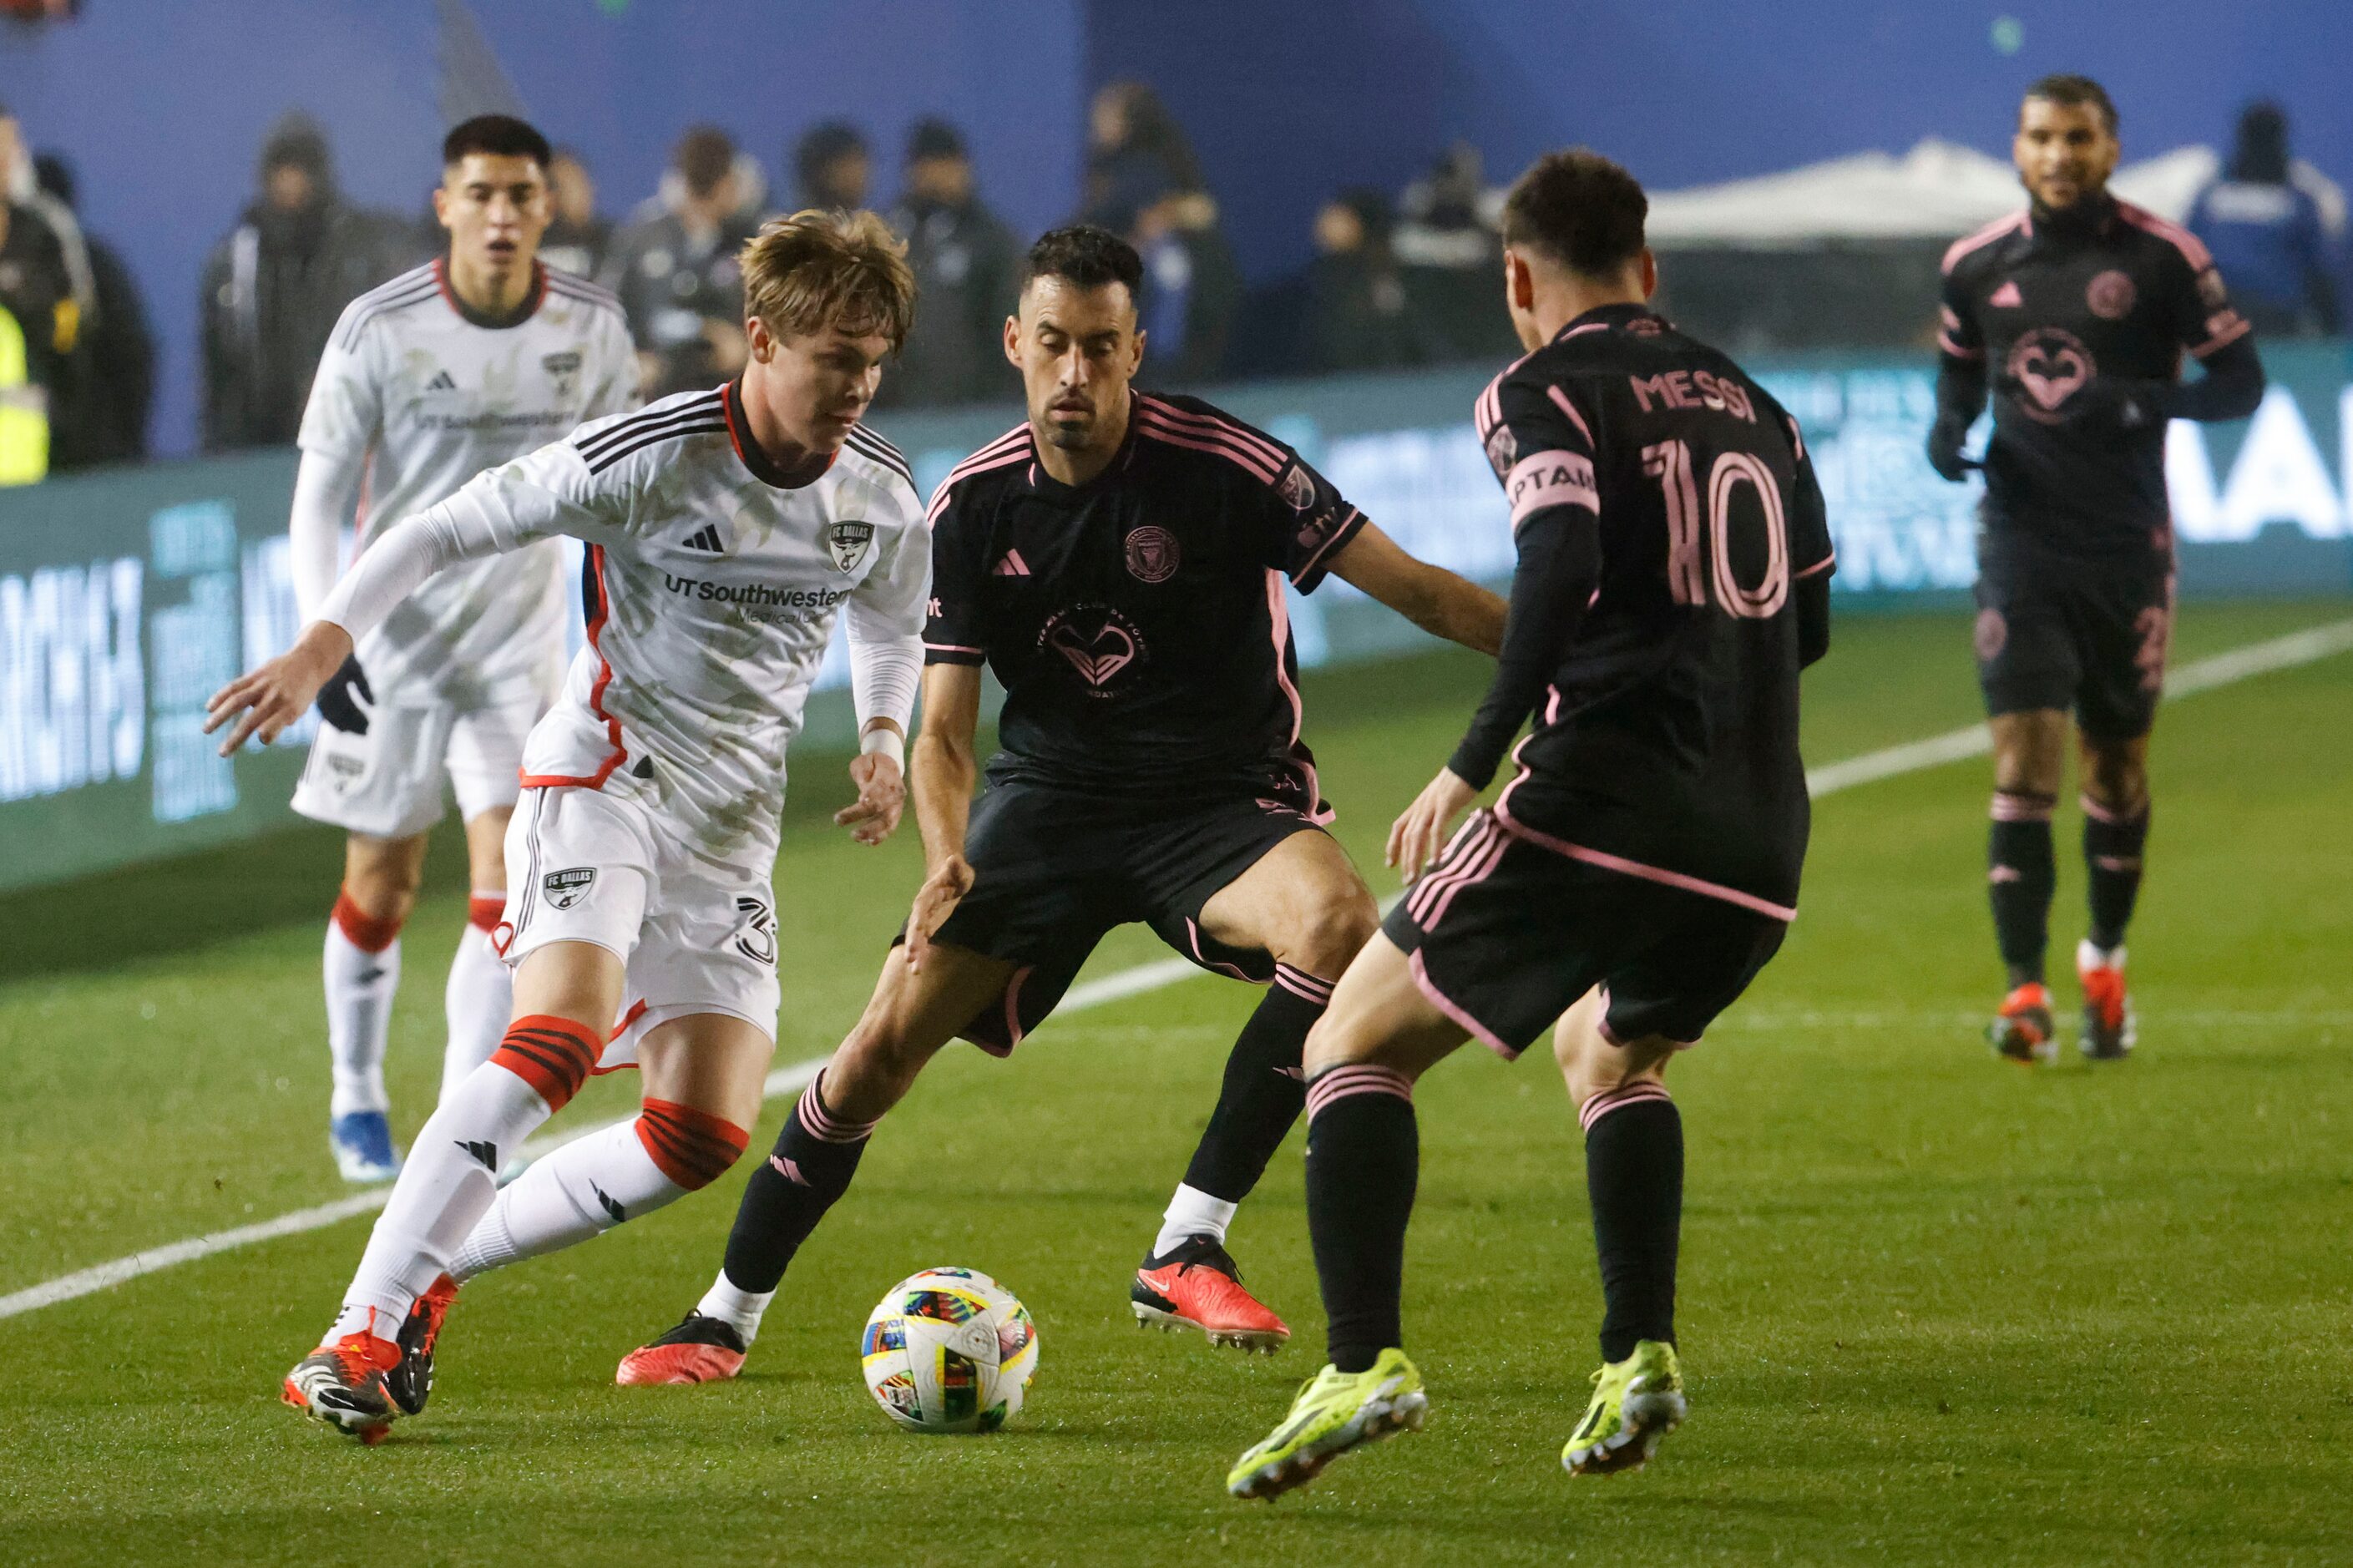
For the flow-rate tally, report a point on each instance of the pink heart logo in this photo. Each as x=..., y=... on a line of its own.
x=2051, y=378
x=1096, y=658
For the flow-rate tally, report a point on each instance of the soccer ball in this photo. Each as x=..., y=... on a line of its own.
x=949, y=1350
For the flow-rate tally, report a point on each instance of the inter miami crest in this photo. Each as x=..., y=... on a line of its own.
x=565, y=889
x=847, y=541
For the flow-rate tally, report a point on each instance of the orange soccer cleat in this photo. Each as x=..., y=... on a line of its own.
x=343, y=1384
x=700, y=1349
x=410, y=1383
x=2022, y=1031
x=1197, y=1286
x=2108, y=1024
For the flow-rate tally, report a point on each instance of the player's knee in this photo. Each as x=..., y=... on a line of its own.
x=692, y=1148
x=1332, y=933
x=2116, y=781
x=871, y=1069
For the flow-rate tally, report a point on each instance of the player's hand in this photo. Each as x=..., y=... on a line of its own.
x=949, y=881
x=1945, y=438
x=265, y=700
x=881, y=796
x=1416, y=837
x=347, y=701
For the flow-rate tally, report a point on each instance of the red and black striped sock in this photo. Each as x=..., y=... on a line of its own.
x=1634, y=1178
x=1364, y=1155
x=692, y=1148
x=552, y=1054
x=1264, y=1090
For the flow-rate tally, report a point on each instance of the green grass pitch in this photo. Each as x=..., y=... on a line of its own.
x=1934, y=1308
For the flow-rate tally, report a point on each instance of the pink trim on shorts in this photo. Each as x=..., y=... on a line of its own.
x=1658, y=874
x=1193, y=935
x=1448, y=1005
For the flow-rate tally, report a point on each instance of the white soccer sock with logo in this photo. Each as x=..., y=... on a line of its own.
x=738, y=1308
x=445, y=1186
x=480, y=995
x=582, y=1190
x=1191, y=1212
x=361, y=968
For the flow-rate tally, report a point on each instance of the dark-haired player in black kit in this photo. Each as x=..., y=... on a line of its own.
x=1672, y=579
x=2077, y=311
x=1120, y=560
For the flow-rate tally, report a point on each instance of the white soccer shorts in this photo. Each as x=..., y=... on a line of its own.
x=587, y=865
x=388, y=782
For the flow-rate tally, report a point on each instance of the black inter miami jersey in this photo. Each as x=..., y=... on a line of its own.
x=1665, y=744
x=1138, y=621
x=2047, y=307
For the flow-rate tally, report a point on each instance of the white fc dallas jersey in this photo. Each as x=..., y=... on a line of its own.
x=711, y=589
x=426, y=396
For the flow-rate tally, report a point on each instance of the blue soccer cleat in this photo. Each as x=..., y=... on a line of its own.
x=363, y=1144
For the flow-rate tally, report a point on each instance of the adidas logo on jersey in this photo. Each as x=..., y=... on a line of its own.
x=441, y=382
x=707, y=539
x=1011, y=565
x=2007, y=296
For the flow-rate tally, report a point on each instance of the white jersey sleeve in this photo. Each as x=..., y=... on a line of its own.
x=536, y=497
x=344, y=416
x=886, y=614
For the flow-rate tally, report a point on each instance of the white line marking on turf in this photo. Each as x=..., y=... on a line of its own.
x=2302, y=647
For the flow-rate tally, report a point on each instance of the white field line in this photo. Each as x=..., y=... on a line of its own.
x=2297, y=648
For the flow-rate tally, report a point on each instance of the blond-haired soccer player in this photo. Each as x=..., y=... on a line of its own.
x=726, y=530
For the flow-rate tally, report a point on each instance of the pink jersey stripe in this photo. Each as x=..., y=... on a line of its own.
x=1219, y=422
x=1176, y=434
x=1335, y=540
x=940, y=497
x=2232, y=327
x=1560, y=399
x=1824, y=565
x=1454, y=1010
x=1982, y=237
x=2193, y=250
x=1658, y=874
x=1951, y=346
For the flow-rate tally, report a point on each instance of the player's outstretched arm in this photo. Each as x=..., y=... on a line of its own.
x=273, y=696
x=1560, y=564
x=945, y=769
x=1431, y=597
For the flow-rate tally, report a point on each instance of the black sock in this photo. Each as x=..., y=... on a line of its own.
x=2112, y=854
x=816, y=1155
x=1364, y=1152
x=2022, y=874
x=1263, y=1091
x=1634, y=1177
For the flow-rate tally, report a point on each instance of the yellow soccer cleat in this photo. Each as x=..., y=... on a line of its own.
x=1335, y=1411
x=1636, y=1401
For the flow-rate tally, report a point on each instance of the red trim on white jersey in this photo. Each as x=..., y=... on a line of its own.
x=596, y=694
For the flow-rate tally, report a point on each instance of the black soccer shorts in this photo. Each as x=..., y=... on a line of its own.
x=1055, y=869
x=1504, y=933
x=2062, y=632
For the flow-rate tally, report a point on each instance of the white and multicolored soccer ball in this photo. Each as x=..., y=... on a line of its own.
x=949, y=1350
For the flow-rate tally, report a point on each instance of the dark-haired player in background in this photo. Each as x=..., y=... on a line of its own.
x=2077, y=311
x=1674, y=578
x=1120, y=560
x=450, y=368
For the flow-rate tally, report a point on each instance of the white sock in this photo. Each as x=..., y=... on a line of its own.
x=360, y=986
x=1191, y=1212
x=582, y=1190
x=445, y=1187
x=2090, y=956
x=741, y=1309
x=478, y=1003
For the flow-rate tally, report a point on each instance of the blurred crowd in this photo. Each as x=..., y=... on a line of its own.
x=1396, y=279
